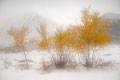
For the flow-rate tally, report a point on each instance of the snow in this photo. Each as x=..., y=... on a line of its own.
x=14, y=72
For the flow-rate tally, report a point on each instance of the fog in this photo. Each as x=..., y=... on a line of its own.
x=62, y=11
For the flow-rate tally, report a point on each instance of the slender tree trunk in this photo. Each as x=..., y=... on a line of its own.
x=79, y=59
x=88, y=57
x=53, y=57
x=26, y=61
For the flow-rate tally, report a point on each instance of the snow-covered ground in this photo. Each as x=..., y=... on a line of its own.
x=12, y=74
x=11, y=67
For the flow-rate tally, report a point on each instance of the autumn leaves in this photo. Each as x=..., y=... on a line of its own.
x=82, y=39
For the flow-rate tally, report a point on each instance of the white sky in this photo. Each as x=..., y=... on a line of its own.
x=62, y=11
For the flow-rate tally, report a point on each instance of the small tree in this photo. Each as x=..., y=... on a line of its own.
x=19, y=36
x=61, y=45
x=58, y=43
x=45, y=42
x=94, y=33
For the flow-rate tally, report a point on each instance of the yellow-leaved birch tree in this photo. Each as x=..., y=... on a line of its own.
x=94, y=34
x=19, y=36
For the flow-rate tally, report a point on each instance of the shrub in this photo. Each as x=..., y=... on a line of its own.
x=19, y=36
x=46, y=65
x=92, y=35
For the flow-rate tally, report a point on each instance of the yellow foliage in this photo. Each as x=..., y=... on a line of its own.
x=18, y=35
x=42, y=31
x=72, y=38
x=62, y=39
x=58, y=39
x=44, y=43
x=46, y=40
x=94, y=31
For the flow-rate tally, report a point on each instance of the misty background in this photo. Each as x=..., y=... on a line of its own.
x=61, y=11
x=52, y=13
